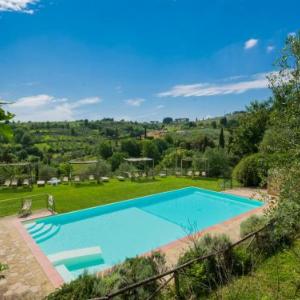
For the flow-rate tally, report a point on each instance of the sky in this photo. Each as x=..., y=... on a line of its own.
x=138, y=59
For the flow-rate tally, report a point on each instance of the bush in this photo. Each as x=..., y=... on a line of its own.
x=201, y=277
x=218, y=162
x=129, y=272
x=46, y=172
x=251, y=170
x=252, y=224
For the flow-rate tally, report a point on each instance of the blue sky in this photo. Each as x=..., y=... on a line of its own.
x=138, y=59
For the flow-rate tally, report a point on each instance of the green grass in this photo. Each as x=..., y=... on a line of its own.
x=276, y=278
x=71, y=197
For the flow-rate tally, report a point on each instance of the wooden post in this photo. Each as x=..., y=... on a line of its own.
x=177, y=286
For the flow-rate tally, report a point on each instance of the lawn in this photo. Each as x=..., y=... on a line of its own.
x=71, y=197
x=277, y=278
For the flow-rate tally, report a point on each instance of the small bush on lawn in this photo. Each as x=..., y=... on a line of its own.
x=202, y=277
x=129, y=272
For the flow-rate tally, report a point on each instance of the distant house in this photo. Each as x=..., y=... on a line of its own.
x=182, y=120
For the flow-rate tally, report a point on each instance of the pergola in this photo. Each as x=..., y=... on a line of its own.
x=26, y=165
x=144, y=160
x=190, y=159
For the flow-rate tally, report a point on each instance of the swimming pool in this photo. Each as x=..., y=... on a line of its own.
x=97, y=238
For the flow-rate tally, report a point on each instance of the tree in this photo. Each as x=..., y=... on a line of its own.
x=214, y=124
x=167, y=120
x=131, y=147
x=115, y=160
x=246, y=137
x=221, y=139
x=285, y=85
x=150, y=149
x=223, y=121
x=5, y=129
x=105, y=150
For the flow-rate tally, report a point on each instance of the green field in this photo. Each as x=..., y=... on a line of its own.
x=72, y=197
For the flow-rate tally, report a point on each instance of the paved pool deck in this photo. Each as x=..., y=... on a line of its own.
x=31, y=275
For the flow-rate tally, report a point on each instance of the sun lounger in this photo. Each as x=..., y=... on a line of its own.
x=7, y=183
x=65, y=179
x=40, y=183
x=25, y=182
x=14, y=183
x=51, y=204
x=178, y=174
x=197, y=174
x=91, y=178
x=25, y=208
x=136, y=175
x=77, y=179
x=190, y=174
x=121, y=178
x=203, y=174
x=105, y=179
x=162, y=175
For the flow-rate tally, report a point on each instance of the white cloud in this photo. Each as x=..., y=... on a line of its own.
x=250, y=44
x=270, y=48
x=86, y=101
x=292, y=34
x=32, y=101
x=257, y=81
x=135, y=101
x=17, y=5
x=48, y=108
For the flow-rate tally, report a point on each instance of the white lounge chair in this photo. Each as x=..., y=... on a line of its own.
x=105, y=179
x=7, y=183
x=203, y=174
x=65, y=179
x=25, y=182
x=40, y=183
x=25, y=208
x=190, y=174
x=197, y=174
x=162, y=175
x=91, y=178
x=77, y=179
x=14, y=182
x=121, y=178
x=178, y=174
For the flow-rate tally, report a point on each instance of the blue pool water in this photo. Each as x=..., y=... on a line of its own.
x=133, y=227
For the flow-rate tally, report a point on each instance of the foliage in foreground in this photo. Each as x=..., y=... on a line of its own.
x=131, y=271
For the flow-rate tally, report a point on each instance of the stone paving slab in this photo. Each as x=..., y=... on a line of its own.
x=25, y=278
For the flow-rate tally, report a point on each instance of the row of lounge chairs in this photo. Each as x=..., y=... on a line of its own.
x=15, y=182
x=192, y=174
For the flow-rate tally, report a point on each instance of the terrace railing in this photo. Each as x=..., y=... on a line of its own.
x=173, y=275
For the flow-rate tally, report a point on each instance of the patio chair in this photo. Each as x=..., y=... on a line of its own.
x=65, y=180
x=104, y=179
x=25, y=208
x=190, y=174
x=51, y=204
x=203, y=174
x=40, y=183
x=77, y=179
x=91, y=178
x=25, y=182
x=7, y=183
x=14, y=182
x=197, y=174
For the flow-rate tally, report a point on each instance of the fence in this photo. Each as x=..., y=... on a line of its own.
x=174, y=274
x=12, y=205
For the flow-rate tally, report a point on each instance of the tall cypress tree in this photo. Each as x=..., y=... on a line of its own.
x=222, y=139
